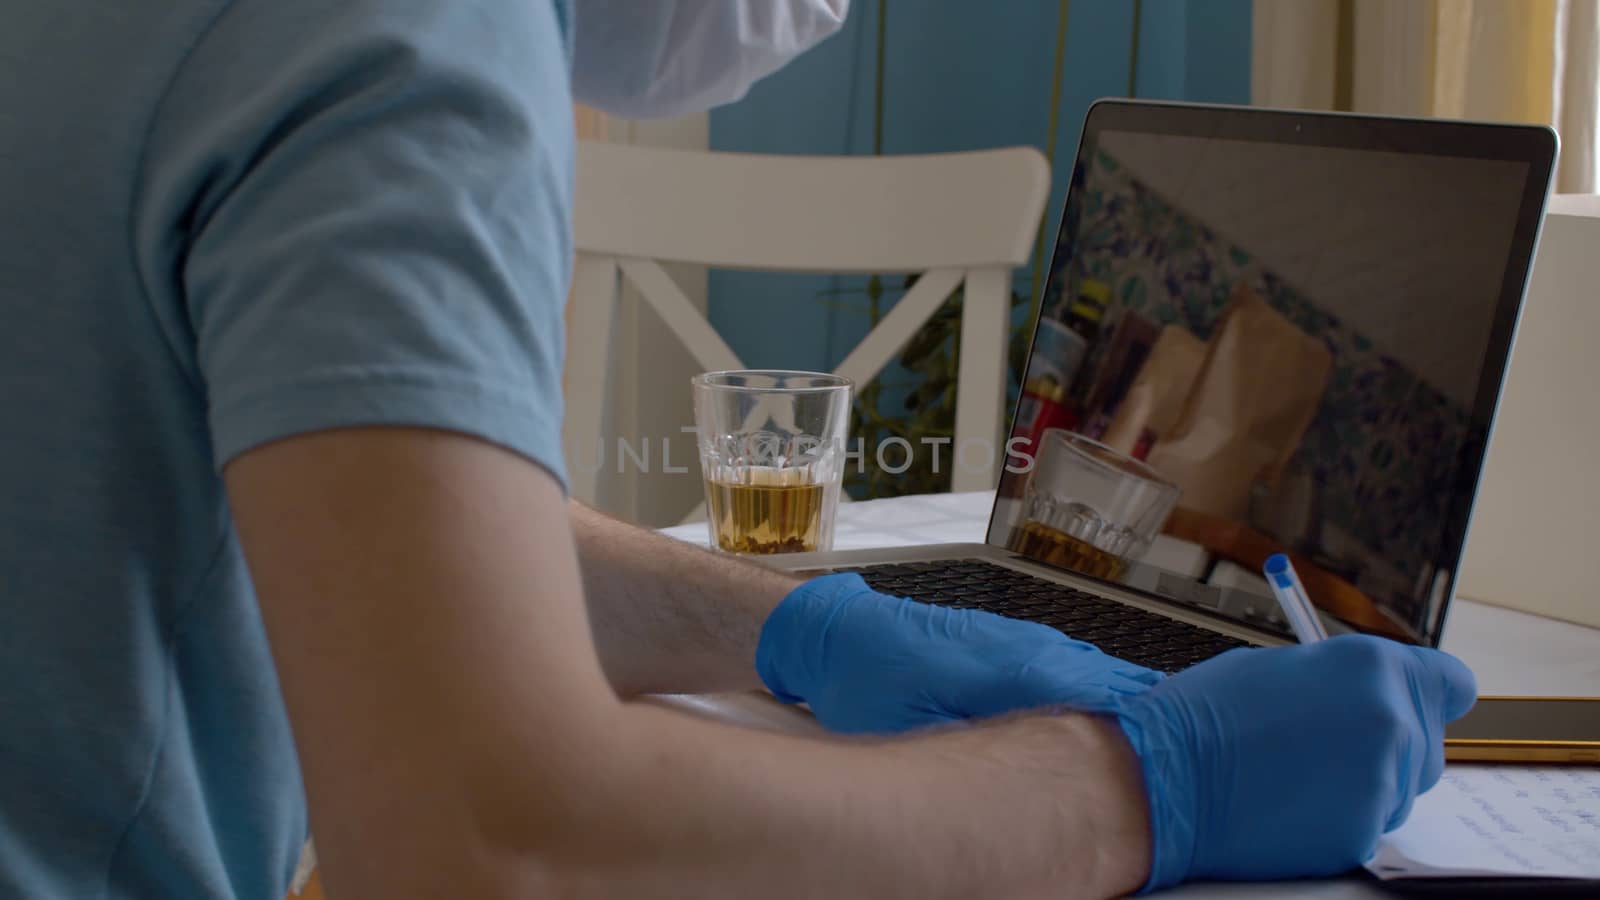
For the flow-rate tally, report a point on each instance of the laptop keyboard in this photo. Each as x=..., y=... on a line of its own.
x=1147, y=639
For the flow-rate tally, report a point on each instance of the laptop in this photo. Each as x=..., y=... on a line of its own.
x=1364, y=274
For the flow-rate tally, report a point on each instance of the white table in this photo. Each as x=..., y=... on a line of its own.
x=1511, y=652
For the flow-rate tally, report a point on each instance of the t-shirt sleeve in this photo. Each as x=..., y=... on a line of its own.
x=356, y=214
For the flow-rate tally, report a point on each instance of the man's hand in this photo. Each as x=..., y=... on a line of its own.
x=1291, y=761
x=866, y=662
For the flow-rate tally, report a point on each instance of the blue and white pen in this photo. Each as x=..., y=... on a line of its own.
x=1292, y=597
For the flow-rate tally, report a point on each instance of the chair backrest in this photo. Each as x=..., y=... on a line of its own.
x=834, y=214
x=959, y=217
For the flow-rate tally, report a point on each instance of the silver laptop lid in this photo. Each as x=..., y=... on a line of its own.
x=1302, y=320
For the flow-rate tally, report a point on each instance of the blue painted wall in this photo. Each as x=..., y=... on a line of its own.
x=958, y=76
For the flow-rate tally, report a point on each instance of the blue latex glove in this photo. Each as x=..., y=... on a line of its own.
x=1292, y=761
x=867, y=662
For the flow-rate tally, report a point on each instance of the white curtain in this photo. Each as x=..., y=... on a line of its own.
x=1497, y=60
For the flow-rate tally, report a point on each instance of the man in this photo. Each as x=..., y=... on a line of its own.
x=282, y=284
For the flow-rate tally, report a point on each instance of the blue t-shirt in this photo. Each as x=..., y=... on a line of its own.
x=224, y=223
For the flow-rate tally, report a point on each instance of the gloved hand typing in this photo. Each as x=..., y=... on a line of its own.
x=1291, y=761
x=867, y=662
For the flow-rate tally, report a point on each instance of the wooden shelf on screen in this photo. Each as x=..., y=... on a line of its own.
x=1242, y=545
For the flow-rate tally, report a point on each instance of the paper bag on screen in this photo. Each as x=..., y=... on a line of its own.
x=1159, y=391
x=1257, y=392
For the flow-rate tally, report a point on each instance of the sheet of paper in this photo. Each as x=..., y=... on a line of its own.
x=1530, y=821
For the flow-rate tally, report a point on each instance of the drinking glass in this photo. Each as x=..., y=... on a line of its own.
x=1089, y=508
x=772, y=453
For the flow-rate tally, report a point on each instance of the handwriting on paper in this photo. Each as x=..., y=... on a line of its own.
x=1499, y=821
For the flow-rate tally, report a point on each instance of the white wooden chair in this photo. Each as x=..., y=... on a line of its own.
x=960, y=217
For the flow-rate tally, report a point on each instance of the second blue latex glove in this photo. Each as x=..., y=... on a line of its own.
x=1292, y=761
x=867, y=662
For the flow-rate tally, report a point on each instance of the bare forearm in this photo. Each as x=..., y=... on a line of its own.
x=458, y=735
x=668, y=617
x=1045, y=806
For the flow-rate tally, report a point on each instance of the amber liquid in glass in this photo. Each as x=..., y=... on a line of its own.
x=766, y=518
x=1048, y=545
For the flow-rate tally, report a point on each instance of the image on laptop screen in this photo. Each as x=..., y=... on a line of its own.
x=1299, y=322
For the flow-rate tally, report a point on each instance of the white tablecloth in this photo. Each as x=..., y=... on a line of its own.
x=1511, y=652
x=900, y=522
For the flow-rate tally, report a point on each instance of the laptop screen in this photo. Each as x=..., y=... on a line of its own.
x=1296, y=326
